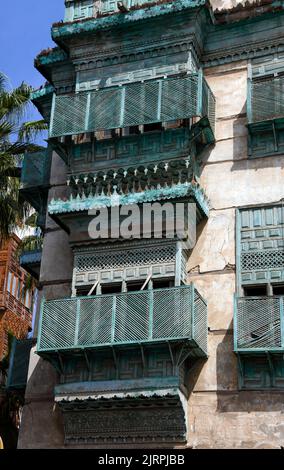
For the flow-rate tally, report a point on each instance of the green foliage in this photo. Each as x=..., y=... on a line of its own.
x=14, y=142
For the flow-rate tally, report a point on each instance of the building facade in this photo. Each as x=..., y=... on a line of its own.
x=16, y=297
x=148, y=342
x=16, y=307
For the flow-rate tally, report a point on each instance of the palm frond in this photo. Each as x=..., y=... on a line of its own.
x=31, y=243
x=3, y=81
x=19, y=148
x=13, y=105
x=6, y=128
x=30, y=130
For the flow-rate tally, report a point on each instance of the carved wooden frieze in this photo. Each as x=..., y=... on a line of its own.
x=136, y=420
x=131, y=149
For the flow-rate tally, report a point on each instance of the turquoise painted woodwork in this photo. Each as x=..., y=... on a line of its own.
x=262, y=372
x=50, y=56
x=133, y=179
x=41, y=92
x=241, y=40
x=81, y=9
x=31, y=261
x=266, y=138
x=42, y=99
x=36, y=169
x=266, y=99
x=19, y=364
x=259, y=321
x=79, y=204
x=265, y=109
x=137, y=149
x=124, y=319
x=136, y=259
x=35, y=182
x=134, y=104
x=123, y=19
x=132, y=149
x=259, y=324
x=260, y=247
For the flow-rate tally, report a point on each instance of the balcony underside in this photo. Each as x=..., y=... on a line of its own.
x=178, y=349
x=261, y=370
x=145, y=147
x=31, y=261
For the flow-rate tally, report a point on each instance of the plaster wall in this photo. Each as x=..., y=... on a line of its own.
x=219, y=414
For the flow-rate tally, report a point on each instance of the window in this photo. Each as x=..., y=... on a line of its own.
x=260, y=250
x=255, y=291
x=19, y=290
x=278, y=289
x=134, y=286
x=9, y=282
x=157, y=126
x=259, y=305
x=265, y=107
x=14, y=286
x=111, y=288
x=162, y=283
x=27, y=299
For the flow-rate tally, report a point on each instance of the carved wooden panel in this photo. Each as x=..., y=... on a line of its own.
x=261, y=250
x=129, y=365
x=131, y=263
x=135, y=420
x=132, y=149
x=262, y=372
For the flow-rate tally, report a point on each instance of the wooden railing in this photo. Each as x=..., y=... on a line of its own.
x=172, y=314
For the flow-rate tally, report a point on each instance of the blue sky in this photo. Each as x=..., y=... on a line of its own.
x=24, y=32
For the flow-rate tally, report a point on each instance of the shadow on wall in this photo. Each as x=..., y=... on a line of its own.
x=232, y=399
x=41, y=424
x=239, y=152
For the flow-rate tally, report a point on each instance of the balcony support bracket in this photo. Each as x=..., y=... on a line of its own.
x=143, y=356
x=61, y=362
x=171, y=353
x=87, y=359
x=116, y=362
x=184, y=353
x=271, y=368
x=240, y=371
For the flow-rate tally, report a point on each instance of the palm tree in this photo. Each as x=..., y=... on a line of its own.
x=16, y=138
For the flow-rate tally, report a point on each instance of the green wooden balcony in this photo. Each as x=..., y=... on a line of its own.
x=35, y=170
x=259, y=324
x=160, y=100
x=35, y=181
x=19, y=363
x=176, y=314
x=30, y=258
x=265, y=99
x=265, y=109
